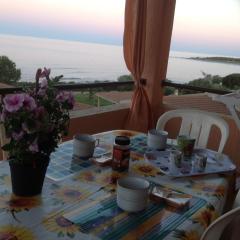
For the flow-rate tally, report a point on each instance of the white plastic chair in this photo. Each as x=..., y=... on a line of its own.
x=197, y=124
x=215, y=230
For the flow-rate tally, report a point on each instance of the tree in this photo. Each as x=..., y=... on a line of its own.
x=207, y=81
x=168, y=91
x=8, y=71
x=125, y=78
x=232, y=81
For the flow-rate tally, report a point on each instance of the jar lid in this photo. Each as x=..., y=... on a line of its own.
x=122, y=140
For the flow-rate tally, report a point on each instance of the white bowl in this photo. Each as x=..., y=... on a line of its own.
x=131, y=206
x=132, y=192
x=157, y=139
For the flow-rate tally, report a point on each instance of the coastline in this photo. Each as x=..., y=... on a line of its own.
x=225, y=60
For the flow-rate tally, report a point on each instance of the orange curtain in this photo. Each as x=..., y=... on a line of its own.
x=140, y=116
x=147, y=36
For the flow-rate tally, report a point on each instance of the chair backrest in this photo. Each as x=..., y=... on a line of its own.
x=215, y=230
x=196, y=124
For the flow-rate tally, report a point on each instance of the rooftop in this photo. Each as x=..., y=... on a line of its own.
x=201, y=101
x=4, y=85
x=115, y=96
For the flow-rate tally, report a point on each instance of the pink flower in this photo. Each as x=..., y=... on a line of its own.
x=29, y=102
x=40, y=112
x=71, y=100
x=60, y=97
x=17, y=136
x=13, y=102
x=34, y=146
x=41, y=92
x=45, y=73
x=41, y=74
x=44, y=83
x=66, y=97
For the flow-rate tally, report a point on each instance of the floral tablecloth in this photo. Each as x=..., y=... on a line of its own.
x=83, y=187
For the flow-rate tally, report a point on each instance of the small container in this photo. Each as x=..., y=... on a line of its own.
x=186, y=145
x=176, y=158
x=121, y=153
x=201, y=161
x=194, y=165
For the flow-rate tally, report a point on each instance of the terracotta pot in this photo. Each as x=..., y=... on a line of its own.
x=27, y=179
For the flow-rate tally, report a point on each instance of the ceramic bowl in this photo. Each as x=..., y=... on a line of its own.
x=132, y=193
x=157, y=139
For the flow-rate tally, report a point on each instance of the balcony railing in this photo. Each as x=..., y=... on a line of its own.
x=117, y=85
x=194, y=88
x=76, y=86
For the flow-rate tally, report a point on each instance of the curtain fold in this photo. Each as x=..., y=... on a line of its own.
x=146, y=42
x=134, y=54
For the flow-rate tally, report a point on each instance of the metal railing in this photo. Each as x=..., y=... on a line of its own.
x=116, y=85
x=75, y=86
x=194, y=88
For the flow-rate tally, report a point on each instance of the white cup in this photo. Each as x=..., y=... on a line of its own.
x=132, y=193
x=83, y=145
x=157, y=139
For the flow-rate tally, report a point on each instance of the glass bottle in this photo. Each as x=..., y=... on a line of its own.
x=121, y=153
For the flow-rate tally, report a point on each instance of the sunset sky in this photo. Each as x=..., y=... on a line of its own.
x=208, y=26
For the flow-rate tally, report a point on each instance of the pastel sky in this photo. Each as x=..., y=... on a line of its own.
x=208, y=26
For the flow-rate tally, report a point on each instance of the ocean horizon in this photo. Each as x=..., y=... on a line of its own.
x=89, y=62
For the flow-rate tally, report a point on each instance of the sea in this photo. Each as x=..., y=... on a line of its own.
x=88, y=62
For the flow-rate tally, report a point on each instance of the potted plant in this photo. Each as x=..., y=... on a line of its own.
x=34, y=122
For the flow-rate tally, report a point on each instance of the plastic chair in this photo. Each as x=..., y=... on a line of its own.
x=215, y=230
x=197, y=124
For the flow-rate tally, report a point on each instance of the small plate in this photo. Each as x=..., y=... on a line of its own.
x=100, y=151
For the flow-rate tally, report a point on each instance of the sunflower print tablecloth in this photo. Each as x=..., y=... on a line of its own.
x=86, y=193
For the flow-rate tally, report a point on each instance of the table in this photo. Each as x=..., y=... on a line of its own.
x=89, y=190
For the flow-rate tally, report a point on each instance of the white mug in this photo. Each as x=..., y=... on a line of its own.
x=132, y=193
x=84, y=145
x=157, y=139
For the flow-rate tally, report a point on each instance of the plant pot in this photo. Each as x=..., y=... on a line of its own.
x=27, y=179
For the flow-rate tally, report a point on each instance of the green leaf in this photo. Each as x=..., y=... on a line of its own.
x=7, y=147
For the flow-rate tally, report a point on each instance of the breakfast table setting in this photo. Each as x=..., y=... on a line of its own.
x=120, y=185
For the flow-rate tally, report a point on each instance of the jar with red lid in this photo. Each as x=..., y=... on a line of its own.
x=121, y=153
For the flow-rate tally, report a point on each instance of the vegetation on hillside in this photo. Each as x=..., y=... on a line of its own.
x=9, y=74
x=125, y=78
x=229, y=82
x=217, y=59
